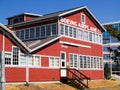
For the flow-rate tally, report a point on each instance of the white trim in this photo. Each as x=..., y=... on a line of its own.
x=74, y=44
x=82, y=14
x=110, y=23
x=3, y=42
x=63, y=60
x=70, y=11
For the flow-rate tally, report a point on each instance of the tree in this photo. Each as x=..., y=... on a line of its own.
x=107, y=72
x=116, y=52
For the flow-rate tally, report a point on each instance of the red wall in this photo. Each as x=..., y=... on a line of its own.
x=94, y=50
x=15, y=74
x=1, y=41
x=94, y=74
x=44, y=74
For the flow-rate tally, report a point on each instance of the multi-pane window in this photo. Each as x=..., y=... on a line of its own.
x=27, y=33
x=37, y=32
x=83, y=18
x=80, y=35
x=42, y=31
x=54, y=62
x=8, y=58
x=22, y=34
x=48, y=30
x=30, y=61
x=70, y=32
x=73, y=60
x=85, y=35
x=61, y=29
x=23, y=60
x=90, y=36
x=17, y=33
x=66, y=30
x=90, y=62
x=32, y=33
x=85, y=62
x=36, y=61
x=74, y=32
x=81, y=62
x=93, y=37
x=54, y=29
x=15, y=54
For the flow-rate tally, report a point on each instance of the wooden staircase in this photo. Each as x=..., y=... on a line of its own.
x=76, y=79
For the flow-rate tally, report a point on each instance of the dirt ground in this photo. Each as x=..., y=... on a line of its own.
x=94, y=85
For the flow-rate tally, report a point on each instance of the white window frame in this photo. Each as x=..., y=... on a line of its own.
x=18, y=55
x=83, y=21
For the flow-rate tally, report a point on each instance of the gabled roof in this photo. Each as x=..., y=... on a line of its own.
x=25, y=13
x=63, y=13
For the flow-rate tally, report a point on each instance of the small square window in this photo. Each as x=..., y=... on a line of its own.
x=83, y=18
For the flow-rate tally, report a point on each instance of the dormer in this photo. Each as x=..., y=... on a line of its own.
x=21, y=18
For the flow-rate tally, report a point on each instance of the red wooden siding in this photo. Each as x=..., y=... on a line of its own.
x=44, y=74
x=15, y=74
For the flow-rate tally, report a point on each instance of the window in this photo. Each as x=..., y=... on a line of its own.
x=81, y=62
x=42, y=31
x=37, y=32
x=22, y=34
x=92, y=59
x=85, y=62
x=36, y=61
x=80, y=34
x=15, y=54
x=73, y=60
x=66, y=30
x=89, y=66
x=54, y=29
x=83, y=18
x=93, y=37
x=54, y=62
x=99, y=38
x=90, y=36
x=30, y=61
x=32, y=33
x=7, y=58
x=23, y=60
x=86, y=35
x=11, y=21
x=27, y=34
x=48, y=30
x=61, y=29
x=17, y=33
x=74, y=32
x=70, y=32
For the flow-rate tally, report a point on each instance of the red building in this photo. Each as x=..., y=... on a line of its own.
x=40, y=47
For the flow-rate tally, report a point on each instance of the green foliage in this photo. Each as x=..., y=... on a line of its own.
x=107, y=73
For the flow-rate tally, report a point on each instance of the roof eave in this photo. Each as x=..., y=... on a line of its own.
x=16, y=38
x=45, y=44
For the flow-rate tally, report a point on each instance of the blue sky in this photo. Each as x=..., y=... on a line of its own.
x=103, y=10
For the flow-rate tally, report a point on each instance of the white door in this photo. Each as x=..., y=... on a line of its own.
x=63, y=64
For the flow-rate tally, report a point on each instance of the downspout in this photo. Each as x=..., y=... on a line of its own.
x=3, y=64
